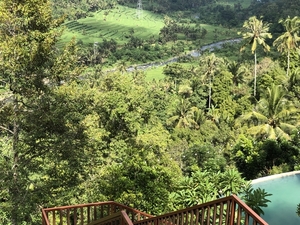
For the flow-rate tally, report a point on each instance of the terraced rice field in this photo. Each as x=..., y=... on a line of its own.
x=117, y=24
x=122, y=21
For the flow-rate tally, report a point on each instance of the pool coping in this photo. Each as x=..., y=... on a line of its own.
x=272, y=177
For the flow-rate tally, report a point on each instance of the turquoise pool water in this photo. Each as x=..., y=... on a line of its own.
x=286, y=195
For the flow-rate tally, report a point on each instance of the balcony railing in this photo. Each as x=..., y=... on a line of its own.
x=224, y=211
x=114, y=219
x=87, y=213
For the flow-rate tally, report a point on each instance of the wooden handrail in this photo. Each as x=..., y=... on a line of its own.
x=107, y=219
x=86, y=213
x=120, y=217
x=126, y=218
x=226, y=211
x=44, y=218
x=97, y=204
x=248, y=210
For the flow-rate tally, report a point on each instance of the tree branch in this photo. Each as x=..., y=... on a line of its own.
x=6, y=129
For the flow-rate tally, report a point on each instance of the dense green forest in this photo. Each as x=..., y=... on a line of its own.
x=71, y=132
x=129, y=42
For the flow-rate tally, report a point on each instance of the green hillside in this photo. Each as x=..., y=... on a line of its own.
x=121, y=22
x=116, y=23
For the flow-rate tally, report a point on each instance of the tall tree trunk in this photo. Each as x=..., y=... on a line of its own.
x=15, y=154
x=288, y=63
x=209, y=93
x=255, y=71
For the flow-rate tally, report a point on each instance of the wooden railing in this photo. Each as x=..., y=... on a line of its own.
x=87, y=213
x=119, y=218
x=224, y=211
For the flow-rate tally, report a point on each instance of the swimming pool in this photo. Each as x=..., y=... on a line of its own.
x=285, y=190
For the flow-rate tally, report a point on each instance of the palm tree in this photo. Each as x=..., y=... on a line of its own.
x=239, y=71
x=210, y=64
x=186, y=116
x=294, y=77
x=185, y=90
x=288, y=41
x=255, y=33
x=233, y=68
x=274, y=116
x=180, y=118
x=214, y=114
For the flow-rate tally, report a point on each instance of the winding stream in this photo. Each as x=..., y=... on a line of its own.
x=194, y=53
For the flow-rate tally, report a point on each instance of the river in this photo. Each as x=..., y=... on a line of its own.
x=194, y=53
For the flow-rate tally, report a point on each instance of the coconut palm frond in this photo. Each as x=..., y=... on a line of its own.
x=245, y=117
x=271, y=133
x=281, y=134
x=259, y=116
x=288, y=113
x=197, y=115
x=288, y=128
x=172, y=120
x=182, y=123
x=259, y=130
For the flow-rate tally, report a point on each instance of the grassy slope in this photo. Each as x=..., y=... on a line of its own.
x=120, y=21
x=117, y=24
x=156, y=73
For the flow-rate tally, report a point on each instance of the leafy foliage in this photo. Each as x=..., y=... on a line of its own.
x=298, y=210
x=204, y=186
x=69, y=135
x=257, y=199
x=79, y=9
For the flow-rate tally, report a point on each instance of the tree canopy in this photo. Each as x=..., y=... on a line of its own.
x=73, y=132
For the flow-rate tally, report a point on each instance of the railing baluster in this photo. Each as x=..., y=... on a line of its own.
x=95, y=213
x=132, y=217
x=192, y=217
x=68, y=216
x=186, y=218
x=89, y=214
x=81, y=215
x=112, y=209
x=239, y=213
x=196, y=214
x=246, y=218
x=214, y=214
x=75, y=216
x=226, y=211
x=221, y=213
x=53, y=218
x=202, y=216
x=101, y=211
x=60, y=217
x=175, y=219
x=208, y=216
x=232, y=212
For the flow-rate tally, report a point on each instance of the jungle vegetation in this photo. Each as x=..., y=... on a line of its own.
x=71, y=132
